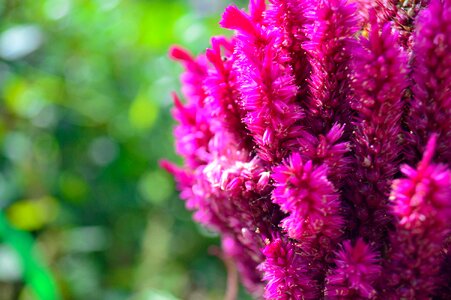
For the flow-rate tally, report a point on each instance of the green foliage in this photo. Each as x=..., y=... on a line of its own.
x=36, y=275
x=84, y=118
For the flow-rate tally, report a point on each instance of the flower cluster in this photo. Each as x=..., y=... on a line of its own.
x=317, y=142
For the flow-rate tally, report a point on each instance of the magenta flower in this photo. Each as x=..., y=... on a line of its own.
x=290, y=18
x=293, y=131
x=330, y=40
x=356, y=271
x=422, y=207
x=312, y=204
x=329, y=149
x=303, y=191
x=266, y=86
x=286, y=273
x=401, y=14
x=379, y=78
x=431, y=87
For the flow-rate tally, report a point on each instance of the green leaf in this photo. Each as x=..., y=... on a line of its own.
x=37, y=276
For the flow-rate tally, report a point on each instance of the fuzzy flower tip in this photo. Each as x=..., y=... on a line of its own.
x=194, y=75
x=291, y=18
x=431, y=105
x=356, y=270
x=303, y=191
x=221, y=89
x=422, y=206
x=285, y=272
x=379, y=78
x=330, y=40
x=193, y=132
x=266, y=85
x=329, y=149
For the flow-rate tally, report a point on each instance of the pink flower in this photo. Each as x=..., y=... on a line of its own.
x=356, y=271
x=422, y=207
x=286, y=273
x=291, y=19
x=431, y=104
x=222, y=94
x=311, y=202
x=266, y=86
x=379, y=78
x=329, y=149
x=330, y=39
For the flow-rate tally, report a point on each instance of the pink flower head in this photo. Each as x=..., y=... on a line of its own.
x=194, y=75
x=379, y=78
x=431, y=105
x=285, y=272
x=356, y=270
x=328, y=149
x=291, y=19
x=221, y=89
x=422, y=207
x=266, y=86
x=330, y=39
x=310, y=200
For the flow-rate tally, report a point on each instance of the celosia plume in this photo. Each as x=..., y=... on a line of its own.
x=303, y=191
x=379, y=78
x=357, y=268
x=286, y=272
x=422, y=208
x=431, y=85
x=296, y=132
x=329, y=46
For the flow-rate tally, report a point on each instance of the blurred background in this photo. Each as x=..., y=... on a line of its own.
x=85, y=210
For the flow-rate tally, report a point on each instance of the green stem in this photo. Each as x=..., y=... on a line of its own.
x=36, y=275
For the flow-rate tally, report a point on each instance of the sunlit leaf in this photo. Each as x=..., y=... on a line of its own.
x=36, y=274
x=143, y=112
x=32, y=214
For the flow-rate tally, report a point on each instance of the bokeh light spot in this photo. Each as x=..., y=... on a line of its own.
x=143, y=112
